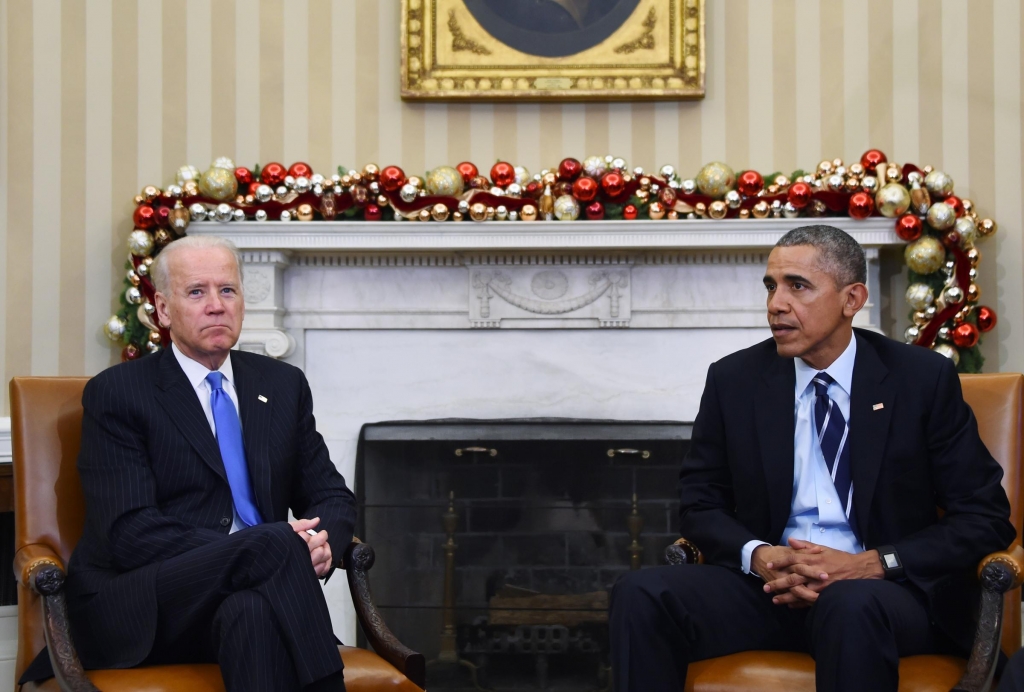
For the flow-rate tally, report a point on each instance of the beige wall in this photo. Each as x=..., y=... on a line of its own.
x=99, y=98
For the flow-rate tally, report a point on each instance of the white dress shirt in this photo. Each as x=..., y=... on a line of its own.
x=816, y=513
x=196, y=373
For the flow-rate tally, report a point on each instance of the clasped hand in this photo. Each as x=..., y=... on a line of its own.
x=319, y=548
x=797, y=573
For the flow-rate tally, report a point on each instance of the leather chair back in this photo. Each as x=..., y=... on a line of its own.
x=998, y=403
x=49, y=508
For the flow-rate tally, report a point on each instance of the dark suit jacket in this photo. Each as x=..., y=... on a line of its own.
x=917, y=454
x=155, y=487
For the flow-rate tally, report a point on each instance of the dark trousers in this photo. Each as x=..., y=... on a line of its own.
x=665, y=617
x=252, y=604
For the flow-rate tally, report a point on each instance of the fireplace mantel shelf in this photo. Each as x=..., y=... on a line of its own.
x=408, y=236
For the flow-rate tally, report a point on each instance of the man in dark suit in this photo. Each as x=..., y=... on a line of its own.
x=191, y=460
x=819, y=463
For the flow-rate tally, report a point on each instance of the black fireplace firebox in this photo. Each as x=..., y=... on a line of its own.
x=498, y=541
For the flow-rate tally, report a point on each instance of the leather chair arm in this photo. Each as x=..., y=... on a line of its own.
x=32, y=559
x=683, y=552
x=358, y=560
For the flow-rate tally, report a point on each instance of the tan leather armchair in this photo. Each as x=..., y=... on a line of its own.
x=46, y=421
x=998, y=404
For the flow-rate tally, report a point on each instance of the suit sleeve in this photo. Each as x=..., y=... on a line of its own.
x=320, y=491
x=706, y=501
x=118, y=482
x=966, y=486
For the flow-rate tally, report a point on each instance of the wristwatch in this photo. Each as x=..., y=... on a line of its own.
x=891, y=564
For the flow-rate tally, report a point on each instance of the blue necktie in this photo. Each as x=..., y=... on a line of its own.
x=232, y=450
x=833, y=436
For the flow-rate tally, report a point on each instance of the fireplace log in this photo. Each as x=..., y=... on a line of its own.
x=569, y=610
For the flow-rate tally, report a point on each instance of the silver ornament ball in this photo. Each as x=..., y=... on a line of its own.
x=261, y=214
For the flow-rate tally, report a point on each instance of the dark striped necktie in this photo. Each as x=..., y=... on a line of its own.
x=833, y=436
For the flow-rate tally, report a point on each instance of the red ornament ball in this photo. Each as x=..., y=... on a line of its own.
x=300, y=170
x=145, y=217
x=630, y=212
x=163, y=216
x=957, y=205
x=371, y=212
x=243, y=175
x=468, y=171
x=533, y=190
x=861, y=205
x=799, y=195
x=595, y=211
x=130, y=352
x=908, y=228
x=585, y=189
x=966, y=335
x=613, y=184
x=253, y=186
x=951, y=239
x=562, y=187
x=871, y=159
x=569, y=169
x=392, y=178
x=986, y=318
x=480, y=183
x=273, y=174
x=749, y=183
x=503, y=174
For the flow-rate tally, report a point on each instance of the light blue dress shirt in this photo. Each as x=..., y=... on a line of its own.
x=816, y=514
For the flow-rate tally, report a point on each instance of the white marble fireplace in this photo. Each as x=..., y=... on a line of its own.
x=411, y=320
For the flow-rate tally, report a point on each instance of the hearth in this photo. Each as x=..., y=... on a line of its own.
x=498, y=541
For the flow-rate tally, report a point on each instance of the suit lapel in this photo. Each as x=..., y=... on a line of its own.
x=773, y=412
x=178, y=398
x=255, y=414
x=869, y=428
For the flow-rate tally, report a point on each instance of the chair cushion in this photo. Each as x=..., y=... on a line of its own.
x=365, y=671
x=781, y=671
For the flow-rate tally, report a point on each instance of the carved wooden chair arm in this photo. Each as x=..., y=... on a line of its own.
x=358, y=560
x=998, y=573
x=683, y=552
x=39, y=568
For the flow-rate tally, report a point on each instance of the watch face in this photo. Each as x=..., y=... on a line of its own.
x=890, y=561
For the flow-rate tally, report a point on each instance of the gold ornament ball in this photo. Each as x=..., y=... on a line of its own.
x=162, y=237
x=185, y=174
x=761, y=210
x=304, y=212
x=869, y=184
x=424, y=215
x=701, y=209
x=825, y=168
x=370, y=171
x=133, y=278
x=478, y=211
x=140, y=243
x=457, y=216
x=522, y=175
x=973, y=293
x=154, y=337
x=925, y=255
x=920, y=296
x=656, y=211
x=939, y=184
x=893, y=174
x=491, y=211
x=218, y=183
x=987, y=227
x=920, y=318
x=941, y=216
x=974, y=256
x=439, y=212
x=529, y=212
x=567, y=208
x=718, y=209
x=190, y=188
x=968, y=205
x=139, y=199
x=892, y=200
x=968, y=231
x=150, y=192
x=948, y=350
x=672, y=215
x=716, y=179
x=744, y=213
x=444, y=181
x=115, y=328
x=413, y=180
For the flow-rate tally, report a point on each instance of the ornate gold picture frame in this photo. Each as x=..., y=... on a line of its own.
x=552, y=50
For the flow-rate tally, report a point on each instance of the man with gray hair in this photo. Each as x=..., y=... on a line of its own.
x=190, y=462
x=837, y=488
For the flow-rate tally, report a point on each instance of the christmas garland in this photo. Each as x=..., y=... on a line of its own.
x=939, y=228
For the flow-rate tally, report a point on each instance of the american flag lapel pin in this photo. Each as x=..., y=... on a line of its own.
x=262, y=398
x=876, y=407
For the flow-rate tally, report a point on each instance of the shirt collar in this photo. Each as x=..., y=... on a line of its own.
x=196, y=372
x=841, y=370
